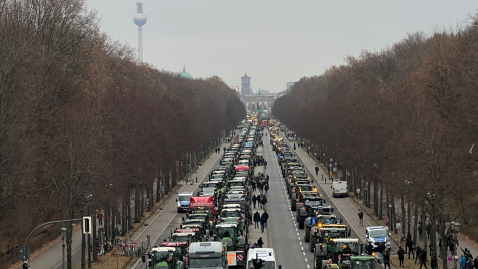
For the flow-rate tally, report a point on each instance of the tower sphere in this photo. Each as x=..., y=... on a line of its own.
x=139, y=19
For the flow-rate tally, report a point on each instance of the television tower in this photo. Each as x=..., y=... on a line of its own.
x=140, y=20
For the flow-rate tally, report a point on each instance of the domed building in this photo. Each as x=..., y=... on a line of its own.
x=185, y=74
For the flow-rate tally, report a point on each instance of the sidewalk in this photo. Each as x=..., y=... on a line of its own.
x=349, y=207
x=52, y=258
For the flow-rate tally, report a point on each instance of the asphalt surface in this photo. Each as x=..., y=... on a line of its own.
x=285, y=236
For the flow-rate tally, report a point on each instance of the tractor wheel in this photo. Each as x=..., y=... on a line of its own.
x=293, y=205
x=301, y=223
x=312, y=242
x=315, y=263
x=307, y=234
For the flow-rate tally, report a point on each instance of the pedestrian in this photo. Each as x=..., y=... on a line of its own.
x=462, y=262
x=265, y=215
x=419, y=253
x=411, y=248
x=253, y=186
x=267, y=188
x=407, y=242
x=386, y=258
x=263, y=223
x=259, y=201
x=316, y=170
x=360, y=215
x=254, y=199
x=370, y=249
x=420, y=232
x=260, y=243
x=423, y=258
x=401, y=256
x=434, y=262
x=224, y=149
x=264, y=202
x=100, y=217
x=294, y=147
x=265, y=164
x=257, y=218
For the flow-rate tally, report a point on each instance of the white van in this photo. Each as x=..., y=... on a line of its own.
x=267, y=255
x=340, y=189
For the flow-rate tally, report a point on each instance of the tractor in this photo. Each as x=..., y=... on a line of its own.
x=338, y=250
x=165, y=257
x=320, y=219
x=324, y=234
x=232, y=235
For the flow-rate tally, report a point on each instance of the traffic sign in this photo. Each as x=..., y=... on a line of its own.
x=329, y=261
x=450, y=258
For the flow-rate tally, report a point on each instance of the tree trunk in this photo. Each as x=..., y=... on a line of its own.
x=375, y=199
x=95, y=240
x=380, y=202
x=424, y=230
x=441, y=230
x=83, y=248
x=433, y=231
x=137, y=202
x=415, y=225
x=409, y=214
x=394, y=213
x=69, y=235
x=402, y=218
x=369, y=190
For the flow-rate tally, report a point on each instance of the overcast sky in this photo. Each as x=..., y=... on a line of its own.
x=276, y=41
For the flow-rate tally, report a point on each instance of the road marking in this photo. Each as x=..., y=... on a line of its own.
x=308, y=266
x=300, y=243
x=306, y=261
x=303, y=253
x=296, y=229
x=302, y=248
x=298, y=234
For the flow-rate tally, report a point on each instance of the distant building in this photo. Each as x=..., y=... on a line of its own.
x=185, y=74
x=245, y=86
x=264, y=92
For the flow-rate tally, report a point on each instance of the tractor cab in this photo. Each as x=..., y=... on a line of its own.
x=181, y=237
x=325, y=234
x=181, y=248
x=362, y=262
x=165, y=257
x=231, y=235
x=193, y=232
x=343, y=250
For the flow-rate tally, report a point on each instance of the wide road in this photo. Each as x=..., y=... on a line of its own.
x=285, y=236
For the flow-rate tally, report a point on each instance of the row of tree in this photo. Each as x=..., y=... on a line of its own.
x=82, y=123
x=404, y=121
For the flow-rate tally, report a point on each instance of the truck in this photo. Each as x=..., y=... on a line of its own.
x=205, y=203
x=207, y=255
x=264, y=123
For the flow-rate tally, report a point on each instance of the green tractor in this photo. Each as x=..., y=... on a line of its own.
x=322, y=217
x=165, y=258
x=232, y=235
x=362, y=262
x=324, y=234
x=340, y=250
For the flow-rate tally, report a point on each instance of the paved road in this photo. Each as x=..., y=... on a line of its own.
x=288, y=241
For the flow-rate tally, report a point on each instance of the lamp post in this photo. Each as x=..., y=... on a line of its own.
x=63, y=233
x=455, y=228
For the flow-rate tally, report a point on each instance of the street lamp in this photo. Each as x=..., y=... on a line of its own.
x=455, y=228
x=63, y=233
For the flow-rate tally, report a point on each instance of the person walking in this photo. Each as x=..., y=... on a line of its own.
x=386, y=258
x=265, y=164
x=434, y=262
x=411, y=248
x=360, y=215
x=316, y=170
x=257, y=218
x=407, y=242
x=264, y=202
x=419, y=253
x=259, y=201
x=462, y=262
x=254, y=199
x=263, y=223
x=265, y=215
x=100, y=217
x=250, y=216
x=260, y=243
x=267, y=188
x=401, y=256
x=423, y=258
